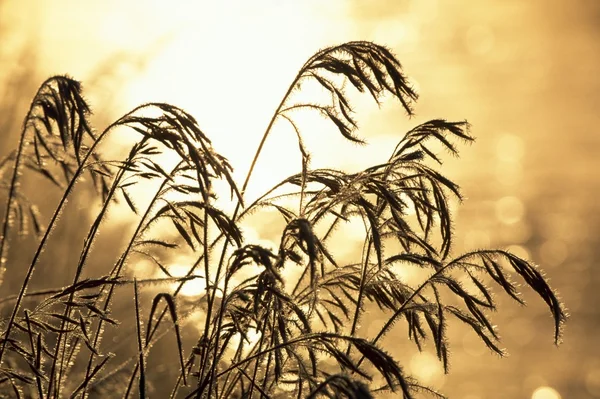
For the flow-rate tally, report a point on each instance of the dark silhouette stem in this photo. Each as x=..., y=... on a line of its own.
x=402, y=307
x=42, y=243
x=12, y=191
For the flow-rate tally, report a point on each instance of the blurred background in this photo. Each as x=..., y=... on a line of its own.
x=524, y=74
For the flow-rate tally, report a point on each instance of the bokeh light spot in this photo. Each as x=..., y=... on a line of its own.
x=545, y=393
x=509, y=209
x=532, y=381
x=426, y=367
x=592, y=382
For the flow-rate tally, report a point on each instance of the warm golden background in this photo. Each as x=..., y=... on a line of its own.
x=525, y=74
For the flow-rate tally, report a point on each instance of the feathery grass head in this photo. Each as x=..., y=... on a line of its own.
x=264, y=322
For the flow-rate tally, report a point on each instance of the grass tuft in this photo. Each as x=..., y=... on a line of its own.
x=264, y=322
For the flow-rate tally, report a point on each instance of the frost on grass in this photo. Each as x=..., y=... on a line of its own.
x=262, y=321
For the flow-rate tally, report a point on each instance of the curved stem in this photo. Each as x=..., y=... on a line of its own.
x=42, y=243
x=416, y=292
x=270, y=356
x=77, y=174
x=266, y=134
x=12, y=191
x=9, y=205
x=89, y=240
x=259, y=358
x=361, y=292
x=278, y=111
x=211, y=297
x=239, y=203
x=216, y=356
x=51, y=225
x=323, y=385
x=118, y=267
x=263, y=352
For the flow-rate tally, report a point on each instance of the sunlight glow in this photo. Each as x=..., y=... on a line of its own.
x=252, y=335
x=409, y=274
x=195, y=287
x=427, y=9
x=426, y=367
x=215, y=67
x=545, y=392
x=229, y=64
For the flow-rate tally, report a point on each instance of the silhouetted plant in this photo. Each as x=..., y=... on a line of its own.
x=265, y=333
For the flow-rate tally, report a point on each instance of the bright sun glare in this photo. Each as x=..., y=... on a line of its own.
x=216, y=66
x=220, y=68
x=194, y=287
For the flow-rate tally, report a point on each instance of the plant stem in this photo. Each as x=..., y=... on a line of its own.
x=82, y=260
x=12, y=193
x=239, y=203
x=142, y=384
x=416, y=292
x=118, y=267
x=361, y=291
x=41, y=246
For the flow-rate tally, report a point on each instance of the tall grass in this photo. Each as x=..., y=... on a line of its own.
x=264, y=330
